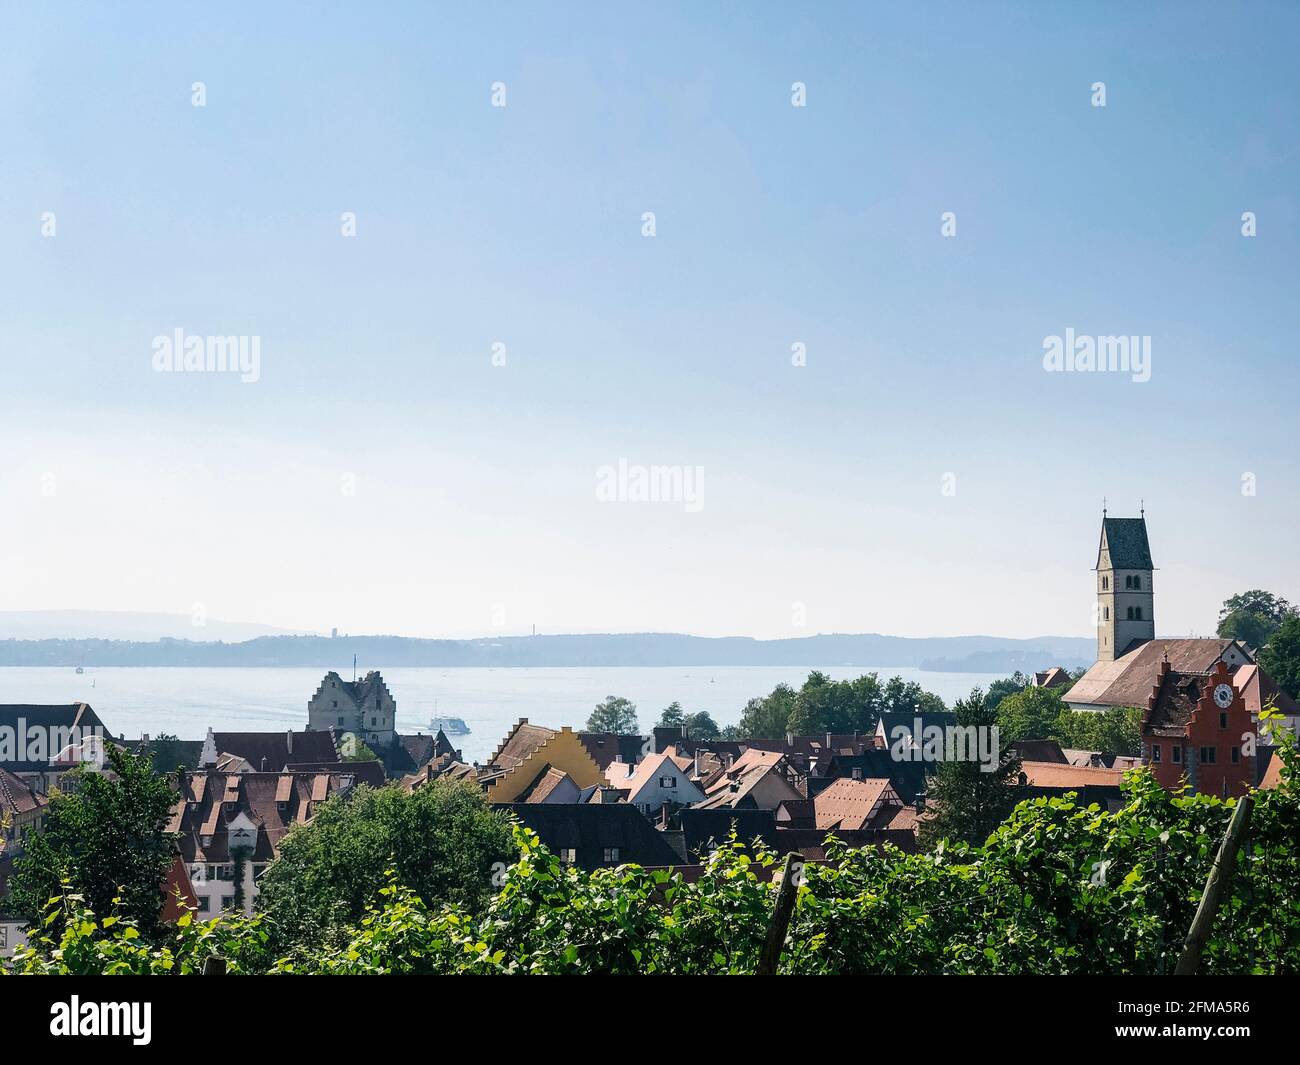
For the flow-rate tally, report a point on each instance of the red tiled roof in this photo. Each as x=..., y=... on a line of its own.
x=850, y=804
x=17, y=796
x=522, y=742
x=1057, y=775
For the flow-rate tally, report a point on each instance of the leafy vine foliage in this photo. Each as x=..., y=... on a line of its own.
x=1057, y=888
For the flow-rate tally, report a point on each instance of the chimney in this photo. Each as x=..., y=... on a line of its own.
x=697, y=763
x=828, y=741
x=789, y=739
x=288, y=740
x=144, y=738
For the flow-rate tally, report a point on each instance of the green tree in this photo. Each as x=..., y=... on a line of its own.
x=1253, y=616
x=104, y=840
x=965, y=801
x=701, y=726
x=824, y=705
x=1030, y=714
x=1281, y=658
x=908, y=698
x=766, y=718
x=1000, y=689
x=1116, y=730
x=673, y=716
x=169, y=753
x=443, y=841
x=614, y=714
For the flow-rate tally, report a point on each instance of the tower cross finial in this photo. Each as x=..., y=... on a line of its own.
x=1103, y=506
x=1143, y=508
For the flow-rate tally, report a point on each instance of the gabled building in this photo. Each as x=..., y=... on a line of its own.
x=363, y=708
x=1056, y=677
x=1259, y=690
x=908, y=778
x=528, y=753
x=265, y=752
x=657, y=780
x=756, y=780
x=230, y=825
x=843, y=806
x=41, y=743
x=1127, y=680
x=1198, y=730
x=22, y=812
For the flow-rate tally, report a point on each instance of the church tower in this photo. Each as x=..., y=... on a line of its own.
x=1125, y=594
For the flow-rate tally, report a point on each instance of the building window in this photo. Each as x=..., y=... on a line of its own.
x=1105, y=613
x=336, y=704
x=568, y=855
x=1155, y=752
x=227, y=901
x=340, y=720
x=205, y=904
x=1137, y=612
x=668, y=782
x=611, y=855
x=1129, y=616
x=857, y=772
x=1105, y=584
x=1223, y=719
x=1177, y=753
x=1208, y=755
x=1236, y=755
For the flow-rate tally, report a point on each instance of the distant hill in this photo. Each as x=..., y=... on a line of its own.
x=993, y=654
x=125, y=625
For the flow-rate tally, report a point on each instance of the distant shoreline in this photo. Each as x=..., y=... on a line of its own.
x=973, y=654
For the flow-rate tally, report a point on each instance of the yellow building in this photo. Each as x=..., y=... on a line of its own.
x=531, y=752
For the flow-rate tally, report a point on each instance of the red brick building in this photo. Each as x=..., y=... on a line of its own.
x=1198, y=730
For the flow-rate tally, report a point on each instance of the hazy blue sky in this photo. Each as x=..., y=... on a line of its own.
x=475, y=506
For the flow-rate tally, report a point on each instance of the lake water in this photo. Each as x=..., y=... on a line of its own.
x=185, y=701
